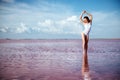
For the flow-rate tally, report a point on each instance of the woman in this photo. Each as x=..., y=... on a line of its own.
x=87, y=22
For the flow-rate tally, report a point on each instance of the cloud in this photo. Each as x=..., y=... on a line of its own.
x=47, y=22
x=48, y=26
x=3, y=29
x=72, y=18
x=69, y=25
x=21, y=29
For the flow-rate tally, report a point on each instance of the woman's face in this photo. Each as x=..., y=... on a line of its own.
x=85, y=20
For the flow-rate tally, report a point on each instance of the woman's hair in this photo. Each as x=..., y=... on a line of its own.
x=86, y=17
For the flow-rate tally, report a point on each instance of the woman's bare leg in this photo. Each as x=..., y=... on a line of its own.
x=85, y=47
x=85, y=65
x=84, y=59
x=87, y=40
x=83, y=43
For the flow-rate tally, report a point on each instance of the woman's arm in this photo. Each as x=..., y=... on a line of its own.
x=82, y=16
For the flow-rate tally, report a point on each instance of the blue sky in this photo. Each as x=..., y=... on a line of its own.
x=57, y=19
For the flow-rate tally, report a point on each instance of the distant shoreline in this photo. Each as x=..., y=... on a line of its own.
x=49, y=40
x=66, y=39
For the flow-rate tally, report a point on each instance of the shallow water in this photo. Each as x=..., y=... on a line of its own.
x=58, y=59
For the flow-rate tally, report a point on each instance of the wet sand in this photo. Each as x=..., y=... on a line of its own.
x=58, y=59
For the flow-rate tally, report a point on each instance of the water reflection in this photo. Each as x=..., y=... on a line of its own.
x=85, y=67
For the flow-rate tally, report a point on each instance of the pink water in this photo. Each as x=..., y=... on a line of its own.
x=58, y=59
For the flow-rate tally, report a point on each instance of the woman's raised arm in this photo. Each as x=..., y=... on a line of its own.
x=82, y=16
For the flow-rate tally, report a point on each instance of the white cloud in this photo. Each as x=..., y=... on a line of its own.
x=49, y=26
x=21, y=29
x=3, y=29
x=46, y=23
x=70, y=25
x=72, y=18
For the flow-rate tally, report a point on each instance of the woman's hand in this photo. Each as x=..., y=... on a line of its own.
x=84, y=12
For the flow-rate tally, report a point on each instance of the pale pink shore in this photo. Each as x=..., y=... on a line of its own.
x=48, y=40
x=58, y=59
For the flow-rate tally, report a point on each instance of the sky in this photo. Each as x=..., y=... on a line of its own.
x=58, y=19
